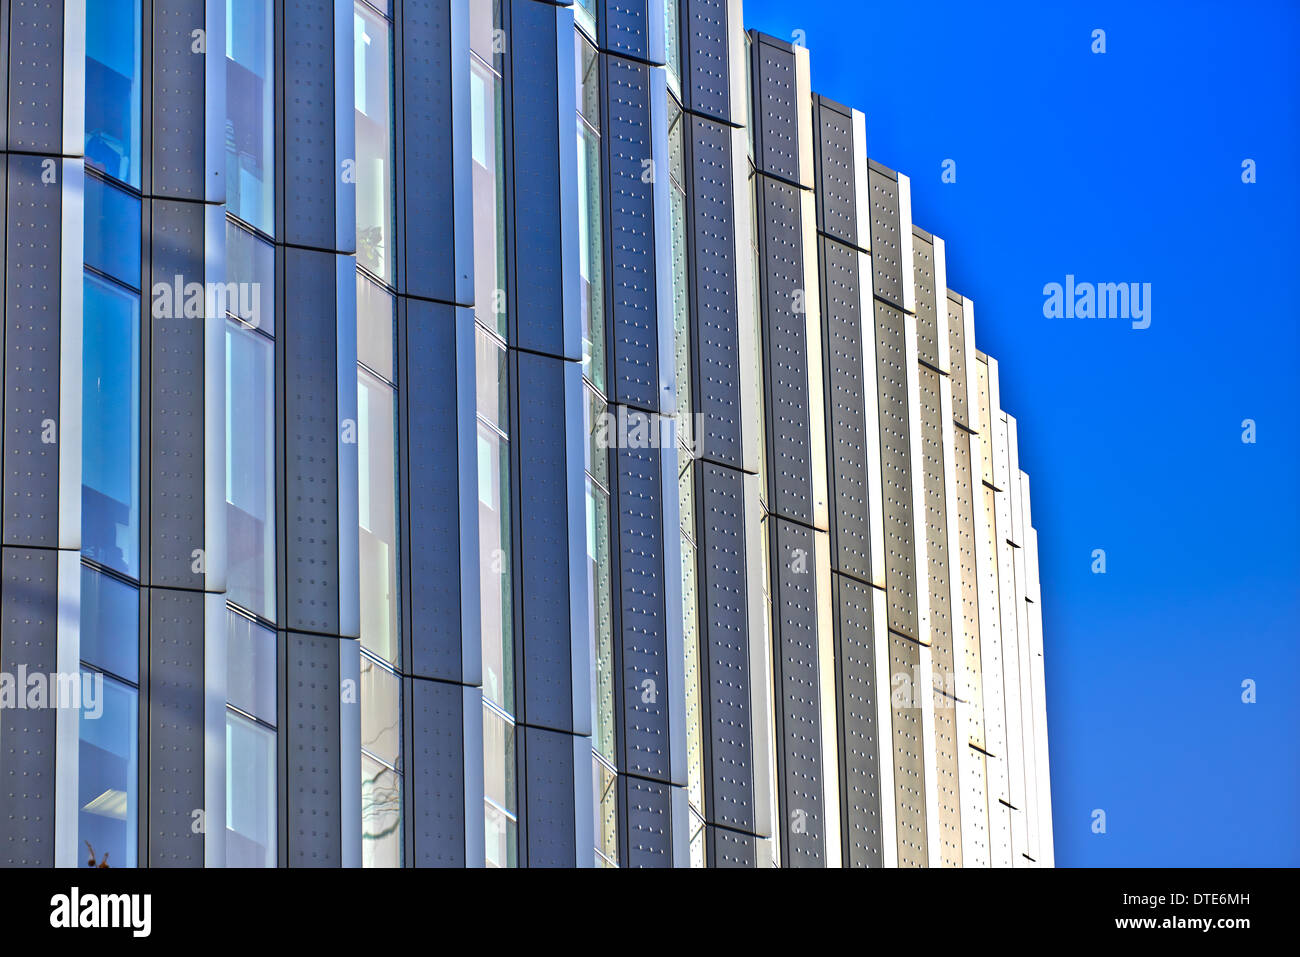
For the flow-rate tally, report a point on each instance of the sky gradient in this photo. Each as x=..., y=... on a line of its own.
x=1125, y=167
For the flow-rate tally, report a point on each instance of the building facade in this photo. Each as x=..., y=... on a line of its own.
x=490, y=432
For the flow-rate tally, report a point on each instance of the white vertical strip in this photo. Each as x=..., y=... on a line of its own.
x=215, y=635
x=68, y=428
x=350, y=751
x=67, y=846
x=74, y=77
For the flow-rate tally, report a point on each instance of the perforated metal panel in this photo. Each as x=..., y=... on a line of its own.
x=715, y=318
x=731, y=848
x=649, y=822
x=308, y=104
x=313, y=787
x=35, y=74
x=908, y=684
x=706, y=47
x=627, y=145
x=959, y=362
x=896, y=467
x=28, y=621
x=178, y=101
x=776, y=108
x=836, y=183
x=859, y=686
x=627, y=27
x=886, y=238
x=929, y=328
x=175, y=702
x=973, y=684
x=437, y=772
x=975, y=812
x=730, y=775
x=787, y=397
x=549, y=796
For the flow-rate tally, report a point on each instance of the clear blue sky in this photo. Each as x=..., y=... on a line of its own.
x=1126, y=167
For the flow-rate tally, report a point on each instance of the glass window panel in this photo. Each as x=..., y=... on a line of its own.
x=484, y=20
x=605, y=802
x=502, y=837
x=110, y=624
x=250, y=264
x=107, y=780
x=250, y=667
x=601, y=639
x=250, y=793
x=113, y=93
x=585, y=15
x=374, y=140
x=589, y=217
x=381, y=712
x=375, y=327
x=377, y=500
x=499, y=789
x=250, y=468
x=110, y=446
x=489, y=197
x=496, y=598
x=381, y=815
x=112, y=231
x=250, y=92
x=672, y=42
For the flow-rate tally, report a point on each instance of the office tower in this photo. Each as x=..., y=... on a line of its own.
x=463, y=433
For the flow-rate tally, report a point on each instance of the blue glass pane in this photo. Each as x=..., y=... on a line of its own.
x=110, y=446
x=110, y=624
x=250, y=264
x=250, y=135
x=107, y=778
x=113, y=88
x=113, y=231
x=250, y=464
x=250, y=793
x=250, y=667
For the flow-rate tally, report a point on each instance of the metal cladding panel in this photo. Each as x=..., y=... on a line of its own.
x=706, y=45
x=538, y=459
x=179, y=100
x=959, y=361
x=785, y=352
x=550, y=826
x=435, y=337
x=929, y=324
x=776, y=108
x=175, y=746
x=846, y=380
x=859, y=687
x=307, y=344
x=437, y=768
x=908, y=684
x=29, y=606
x=715, y=303
x=310, y=178
x=972, y=669
x=540, y=79
x=896, y=467
x=724, y=612
x=435, y=159
x=887, y=245
x=633, y=28
x=794, y=650
x=313, y=784
x=732, y=848
x=33, y=274
x=837, y=201
x=35, y=77
x=176, y=402
x=648, y=807
x=643, y=612
x=631, y=201
x=975, y=813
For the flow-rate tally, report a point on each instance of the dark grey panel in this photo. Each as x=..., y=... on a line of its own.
x=34, y=58
x=909, y=752
x=886, y=238
x=535, y=230
x=550, y=826
x=642, y=613
x=31, y=353
x=176, y=403
x=714, y=304
x=776, y=108
x=896, y=465
x=798, y=716
x=309, y=176
x=957, y=361
x=429, y=452
x=542, y=565
x=837, y=211
x=313, y=783
x=705, y=55
x=845, y=381
x=648, y=808
x=785, y=350
x=731, y=848
x=433, y=38
x=927, y=302
x=729, y=793
x=178, y=100
x=856, y=683
x=437, y=772
x=175, y=758
x=28, y=636
x=310, y=442
x=633, y=28
x=627, y=145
